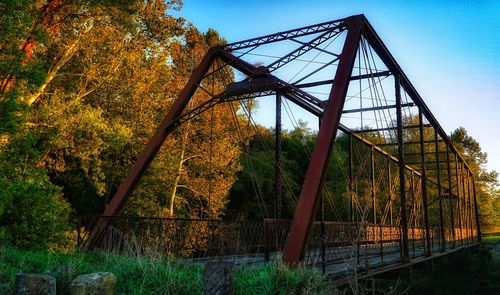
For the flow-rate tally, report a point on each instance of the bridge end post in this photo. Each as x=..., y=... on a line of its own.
x=307, y=203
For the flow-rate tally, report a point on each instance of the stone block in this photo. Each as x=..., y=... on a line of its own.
x=35, y=284
x=219, y=277
x=99, y=283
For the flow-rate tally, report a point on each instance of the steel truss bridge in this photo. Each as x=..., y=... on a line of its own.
x=406, y=194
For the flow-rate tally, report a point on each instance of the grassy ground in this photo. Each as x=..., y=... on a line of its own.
x=475, y=273
x=155, y=276
x=492, y=238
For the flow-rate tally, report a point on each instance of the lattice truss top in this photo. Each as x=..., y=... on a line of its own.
x=302, y=64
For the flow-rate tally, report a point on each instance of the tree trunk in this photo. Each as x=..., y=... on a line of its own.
x=180, y=164
x=68, y=53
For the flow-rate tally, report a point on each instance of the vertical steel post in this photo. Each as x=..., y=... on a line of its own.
x=469, y=212
x=412, y=185
x=389, y=185
x=476, y=209
x=277, y=157
x=307, y=203
x=351, y=179
x=471, y=230
x=464, y=211
x=459, y=211
x=372, y=171
x=450, y=193
x=401, y=162
x=323, y=229
x=438, y=171
x=469, y=208
x=428, y=251
x=267, y=240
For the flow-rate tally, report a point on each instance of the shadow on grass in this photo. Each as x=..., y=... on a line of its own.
x=475, y=273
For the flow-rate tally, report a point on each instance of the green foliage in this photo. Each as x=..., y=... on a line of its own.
x=486, y=182
x=469, y=146
x=258, y=175
x=33, y=213
x=83, y=85
x=10, y=121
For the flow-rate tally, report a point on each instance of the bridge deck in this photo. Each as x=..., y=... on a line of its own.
x=371, y=264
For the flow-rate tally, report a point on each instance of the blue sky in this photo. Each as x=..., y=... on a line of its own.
x=450, y=50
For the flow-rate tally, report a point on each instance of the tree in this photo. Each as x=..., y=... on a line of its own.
x=487, y=185
x=32, y=211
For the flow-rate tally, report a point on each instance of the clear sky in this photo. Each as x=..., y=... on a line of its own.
x=450, y=50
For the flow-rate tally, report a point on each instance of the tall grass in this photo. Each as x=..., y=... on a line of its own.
x=275, y=278
x=156, y=275
x=134, y=275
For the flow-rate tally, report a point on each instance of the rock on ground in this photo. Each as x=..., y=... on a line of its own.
x=35, y=284
x=99, y=283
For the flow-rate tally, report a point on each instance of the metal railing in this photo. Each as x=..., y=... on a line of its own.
x=256, y=241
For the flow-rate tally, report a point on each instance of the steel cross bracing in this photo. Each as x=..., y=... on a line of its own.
x=357, y=75
x=290, y=34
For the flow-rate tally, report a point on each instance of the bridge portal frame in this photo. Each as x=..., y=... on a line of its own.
x=356, y=26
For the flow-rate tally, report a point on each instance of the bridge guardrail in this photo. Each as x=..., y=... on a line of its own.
x=331, y=242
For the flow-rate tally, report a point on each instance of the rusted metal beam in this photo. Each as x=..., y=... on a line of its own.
x=450, y=192
x=441, y=218
x=408, y=142
x=371, y=75
x=299, y=234
x=428, y=250
x=476, y=209
x=277, y=157
x=402, y=183
x=389, y=186
x=351, y=179
x=466, y=203
x=376, y=108
x=467, y=175
x=301, y=98
x=372, y=183
x=459, y=212
x=426, y=153
x=390, y=129
x=426, y=162
x=353, y=78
